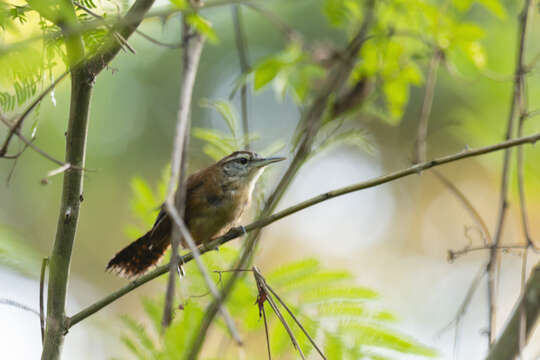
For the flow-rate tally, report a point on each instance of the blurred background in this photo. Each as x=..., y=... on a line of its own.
x=394, y=238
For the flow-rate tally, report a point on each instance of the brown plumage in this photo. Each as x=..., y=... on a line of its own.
x=216, y=197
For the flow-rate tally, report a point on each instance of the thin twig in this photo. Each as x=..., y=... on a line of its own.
x=176, y=191
x=30, y=143
x=466, y=301
x=18, y=124
x=266, y=333
x=121, y=41
x=286, y=29
x=265, y=221
x=155, y=41
x=44, y=264
x=261, y=284
x=467, y=204
x=255, y=270
x=503, y=202
x=18, y=305
x=56, y=171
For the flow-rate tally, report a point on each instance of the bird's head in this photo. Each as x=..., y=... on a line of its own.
x=244, y=167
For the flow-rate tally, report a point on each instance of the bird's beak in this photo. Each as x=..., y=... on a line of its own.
x=266, y=161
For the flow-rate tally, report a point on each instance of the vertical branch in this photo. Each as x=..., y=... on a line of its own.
x=420, y=151
x=192, y=45
x=81, y=89
x=503, y=200
x=76, y=136
x=241, y=47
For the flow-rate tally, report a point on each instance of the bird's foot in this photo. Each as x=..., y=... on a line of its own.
x=237, y=231
x=181, y=272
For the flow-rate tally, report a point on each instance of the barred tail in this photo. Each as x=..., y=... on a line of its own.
x=139, y=256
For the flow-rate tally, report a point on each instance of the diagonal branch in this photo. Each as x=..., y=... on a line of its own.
x=18, y=124
x=308, y=126
x=31, y=144
x=175, y=204
x=507, y=345
x=265, y=221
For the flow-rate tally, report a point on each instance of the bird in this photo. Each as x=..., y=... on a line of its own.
x=216, y=198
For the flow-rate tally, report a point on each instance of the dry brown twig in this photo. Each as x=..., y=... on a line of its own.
x=265, y=295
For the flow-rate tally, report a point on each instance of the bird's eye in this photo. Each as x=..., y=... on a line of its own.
x=243, y=161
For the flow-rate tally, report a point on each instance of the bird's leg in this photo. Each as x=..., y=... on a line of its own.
x=180, y=269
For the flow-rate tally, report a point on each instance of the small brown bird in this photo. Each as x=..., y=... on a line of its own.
x=216, y=198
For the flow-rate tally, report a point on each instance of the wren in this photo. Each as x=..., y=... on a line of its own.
x=216, y=197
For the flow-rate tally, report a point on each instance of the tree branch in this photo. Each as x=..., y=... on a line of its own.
x=60, y=259
x=265, y=221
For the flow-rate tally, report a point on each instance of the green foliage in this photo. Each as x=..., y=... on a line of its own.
x=203, y=26
x=339, y=314
x=291, y=70
x=219, y=144
x=403, y=38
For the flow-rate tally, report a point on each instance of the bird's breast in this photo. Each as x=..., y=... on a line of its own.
x=213, y=212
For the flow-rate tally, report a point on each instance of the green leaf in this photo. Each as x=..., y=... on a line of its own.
x=226, y=110
x=140, y=333
x=397, y=96
x=225, y=144
x=377, y=336
x=266, y=71
x=203, y=26
x=128, y=342
x=338, y=293
x=476, y=54
x=144, y=203
x=350, y=310
x=333, y=347
x=154, y=310
x=290, y=273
